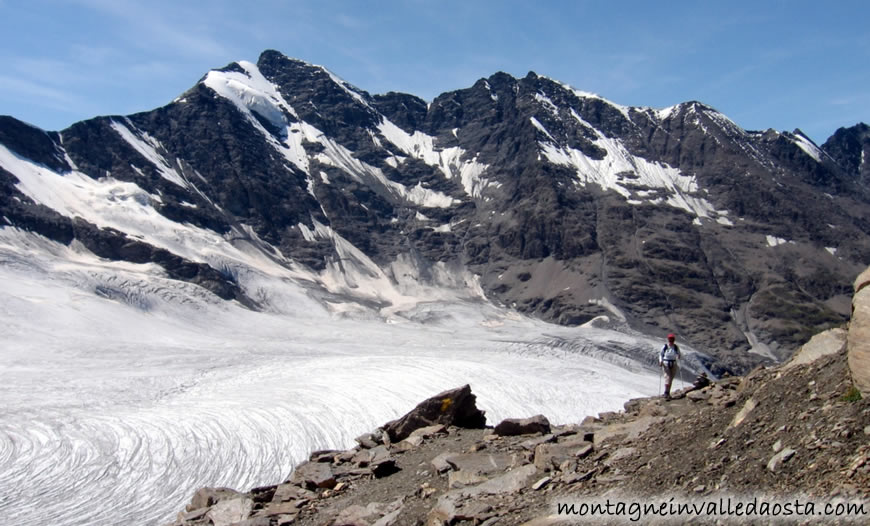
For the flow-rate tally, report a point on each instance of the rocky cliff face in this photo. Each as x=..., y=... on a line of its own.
x=556, y=202
x=859, y=334
x=850, y=148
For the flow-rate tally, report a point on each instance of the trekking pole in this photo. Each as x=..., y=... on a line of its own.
x=660, y=380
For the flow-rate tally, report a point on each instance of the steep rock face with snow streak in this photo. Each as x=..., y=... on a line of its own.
x=523, y=191
x=850, y=148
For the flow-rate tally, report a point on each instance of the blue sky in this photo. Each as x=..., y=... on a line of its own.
x=764, y=63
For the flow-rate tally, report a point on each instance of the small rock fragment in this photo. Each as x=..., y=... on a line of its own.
x=541, y=483
x=780, y=458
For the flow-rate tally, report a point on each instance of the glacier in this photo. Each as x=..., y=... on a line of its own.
x=125, y=391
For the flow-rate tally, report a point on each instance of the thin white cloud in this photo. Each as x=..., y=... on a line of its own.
x=350, y=22
x=850, y=100
x=18, y=88
x=172, y=28
x=61, y=102
x=94, y=56
x=61, y=74
x=152, y=69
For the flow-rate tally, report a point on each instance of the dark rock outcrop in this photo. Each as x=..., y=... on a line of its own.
x=523, y=426
x=455, y=407
x=850, y=149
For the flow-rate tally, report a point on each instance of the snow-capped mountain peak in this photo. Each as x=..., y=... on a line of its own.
x=275, y=242
x=303, y=170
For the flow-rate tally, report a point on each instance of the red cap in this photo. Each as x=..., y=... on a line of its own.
x=672, y=337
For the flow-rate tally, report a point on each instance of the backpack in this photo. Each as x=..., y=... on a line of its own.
x=666, y=354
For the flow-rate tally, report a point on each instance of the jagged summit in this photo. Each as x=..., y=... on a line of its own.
x=850, y=148
x=247, y=263
x=527, y=192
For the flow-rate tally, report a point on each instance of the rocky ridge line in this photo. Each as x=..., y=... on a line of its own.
x=561, y=205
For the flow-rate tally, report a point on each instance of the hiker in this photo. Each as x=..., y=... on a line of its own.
x=668, y=360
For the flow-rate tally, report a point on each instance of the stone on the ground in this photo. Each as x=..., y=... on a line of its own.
x=635, y=404
x=444, y=511
x=282, y=508
x=291, y=492
x=372, y=514
x=481, y=463
x=822, y=344
x=312, y=475
x=440, y=462
x=324, y=455
x=701, y=381
x=377, y=460
x=550, y=456
x=263, y=493
x=205, y=497
x=473, y=511
x=780, y=458
x=698, y=396
x=408, y=444
x=532, y=443
x=574, y=477
x=523, y=426
x=743, y=413
x=541, y=483
x=511, y=482
x=367, y=441
x=455, y=407
x=461, y=479
x=192, y=515
x=429, y=431
x=230, y=511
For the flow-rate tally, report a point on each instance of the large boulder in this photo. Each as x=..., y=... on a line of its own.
x=455, y=407
x=313, y=475
x=858, y=341
x=831, y=341
x=523, y=426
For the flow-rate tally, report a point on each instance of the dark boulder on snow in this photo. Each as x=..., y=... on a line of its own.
x=455, y=407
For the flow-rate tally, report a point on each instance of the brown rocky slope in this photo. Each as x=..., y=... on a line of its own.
x=796, y=431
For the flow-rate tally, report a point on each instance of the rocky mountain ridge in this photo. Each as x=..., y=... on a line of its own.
x=525, y=192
